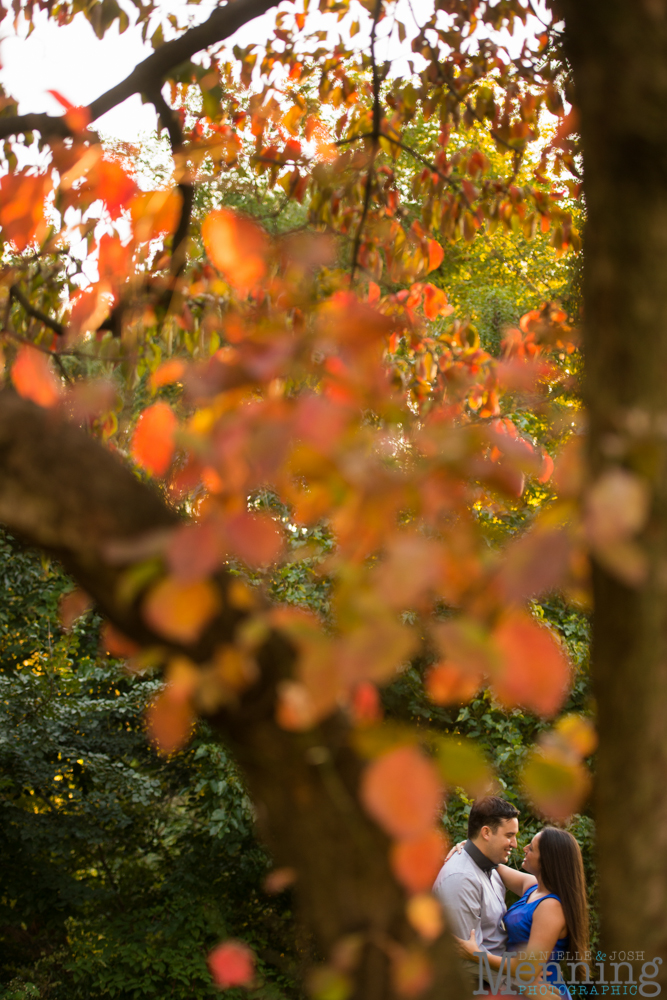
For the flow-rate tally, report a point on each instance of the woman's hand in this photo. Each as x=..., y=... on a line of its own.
x=469, y=948
x=456, y=849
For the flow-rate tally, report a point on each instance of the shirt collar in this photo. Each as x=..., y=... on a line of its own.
x=479, y=858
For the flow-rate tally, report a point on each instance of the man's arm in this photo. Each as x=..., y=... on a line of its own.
x=461, y=896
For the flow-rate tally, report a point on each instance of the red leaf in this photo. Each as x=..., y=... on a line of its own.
x=547, y=468
x=153, y=439
x=33, y=378
x=435, y=302
x=179, y=610
x=534, y=563
x=108, y=181
x=402, y=792
x=366, y=707
x=232, y=964
x=417, y=861
x=535, y=672
x=194, y=551
x=255, y=539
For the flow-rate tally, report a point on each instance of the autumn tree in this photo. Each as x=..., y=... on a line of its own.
x=315, y=379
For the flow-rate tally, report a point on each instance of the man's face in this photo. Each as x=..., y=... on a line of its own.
x=498, y=846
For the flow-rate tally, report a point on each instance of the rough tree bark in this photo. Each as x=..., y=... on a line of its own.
x=618, y=51
x=62, y=491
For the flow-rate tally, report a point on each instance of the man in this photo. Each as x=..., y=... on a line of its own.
x=469, y=887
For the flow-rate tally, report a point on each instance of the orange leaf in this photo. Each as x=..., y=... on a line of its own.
x=115, y=260
x=425, y=914
x=402, y=792
x=232, y=964
x=155, y=213
x=22, y=198
x=278, y=880
x=577, y=733
x=72, y=606
x=292, y=118
x=535, y=672
x=417, y=861
x=153, y=439
x=90, y=308
x=33, y=378
x=448, y=684
x=412, y=971
x=436, y=255
x=169, y=720
x=295, y=710
x=236, y=246
x=168, y=372
x=179, y=611
x=114, y=643
x=555, y=783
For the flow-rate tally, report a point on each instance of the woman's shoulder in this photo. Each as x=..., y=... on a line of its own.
x=548, y=909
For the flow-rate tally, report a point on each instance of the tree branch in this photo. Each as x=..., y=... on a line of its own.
x=61, y=490
x=16, y=293
x=143, y=79
x=375, y=137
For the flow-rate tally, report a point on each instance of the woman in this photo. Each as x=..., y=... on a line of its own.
x=551, y=917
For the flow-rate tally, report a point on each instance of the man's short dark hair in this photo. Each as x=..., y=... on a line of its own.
x=489, y=811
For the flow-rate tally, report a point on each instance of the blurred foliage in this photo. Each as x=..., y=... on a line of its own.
x=121, y=870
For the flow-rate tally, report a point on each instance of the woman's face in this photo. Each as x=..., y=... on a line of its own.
x=531, y=859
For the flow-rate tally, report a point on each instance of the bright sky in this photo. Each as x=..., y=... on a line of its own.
x=73, y=61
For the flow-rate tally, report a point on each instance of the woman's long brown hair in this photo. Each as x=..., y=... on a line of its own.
x=562, y=871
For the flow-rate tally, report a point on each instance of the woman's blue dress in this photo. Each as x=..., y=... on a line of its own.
x=519, y=920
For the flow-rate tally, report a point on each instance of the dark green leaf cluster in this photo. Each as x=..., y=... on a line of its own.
x=120, y=869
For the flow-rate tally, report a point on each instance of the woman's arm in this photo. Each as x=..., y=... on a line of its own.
x=547, y=927
x=516, y=882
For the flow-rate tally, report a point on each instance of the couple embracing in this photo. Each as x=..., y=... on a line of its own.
x=518, y=949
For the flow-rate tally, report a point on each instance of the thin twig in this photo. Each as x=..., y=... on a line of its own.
x=16, y=293
x=375, y=137
x=222, y=23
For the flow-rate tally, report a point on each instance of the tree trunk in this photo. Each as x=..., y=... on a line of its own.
x=618, y=51
x=64, y=492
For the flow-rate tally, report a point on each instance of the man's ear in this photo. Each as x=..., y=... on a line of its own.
x=485, y=832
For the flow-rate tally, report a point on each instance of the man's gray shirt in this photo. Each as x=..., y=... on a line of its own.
x=473, y=900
